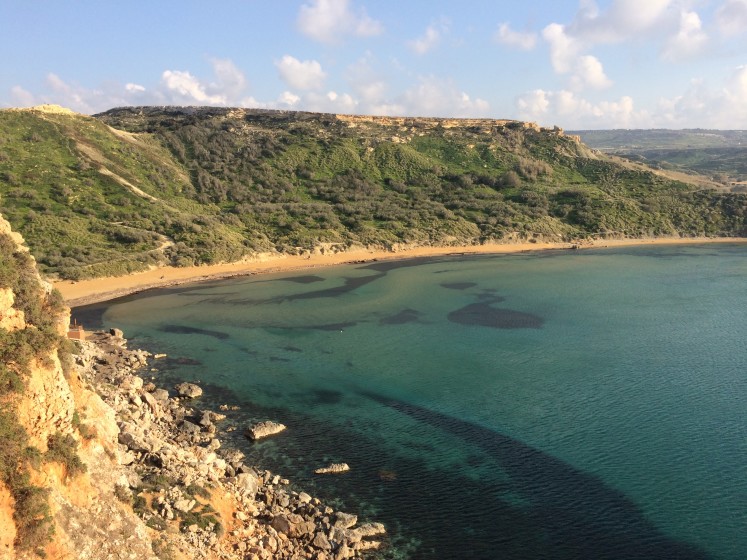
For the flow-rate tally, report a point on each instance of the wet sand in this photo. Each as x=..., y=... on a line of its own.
x=102, y=289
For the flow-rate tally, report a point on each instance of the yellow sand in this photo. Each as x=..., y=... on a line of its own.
x=102, y=289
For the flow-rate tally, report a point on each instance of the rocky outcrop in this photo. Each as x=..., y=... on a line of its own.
x=264, y=429
x=333, y=468
x=161, y=438
x=189, y=390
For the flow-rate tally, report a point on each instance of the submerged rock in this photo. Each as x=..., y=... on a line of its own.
x=333, y=468
x=264, y=429
x=189, y=390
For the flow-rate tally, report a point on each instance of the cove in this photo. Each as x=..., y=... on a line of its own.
x=585, y=404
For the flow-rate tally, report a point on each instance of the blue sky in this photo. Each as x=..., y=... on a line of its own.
x=571, y=63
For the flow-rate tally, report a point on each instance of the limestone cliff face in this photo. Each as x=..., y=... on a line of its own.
x=89, y=521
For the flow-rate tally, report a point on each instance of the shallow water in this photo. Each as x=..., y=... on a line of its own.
x=553, y=405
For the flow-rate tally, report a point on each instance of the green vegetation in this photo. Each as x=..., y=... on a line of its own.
x=720, y=155
x=32, y=515
x=17, y=351
x=203, y=515
x=203, y=185
x=62, y=448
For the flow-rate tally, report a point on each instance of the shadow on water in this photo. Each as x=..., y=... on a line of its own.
x=571, y=514
x=183, y=329
x=458, y=285
x=485, y=315
x=403, y=317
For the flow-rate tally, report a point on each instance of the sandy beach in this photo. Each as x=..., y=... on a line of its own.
x=102, y=289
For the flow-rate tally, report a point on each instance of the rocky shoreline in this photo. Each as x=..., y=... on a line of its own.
x=199, y=499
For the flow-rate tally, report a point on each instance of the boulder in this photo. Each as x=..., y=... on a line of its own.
x=116, y=333
x=321, y=541
x=131, y=383
x=264, y=429
x=152, y=403
x=161, y=395
x=345, y=520
x=292, y=525
x=189, y=390
x=184, y=505
x=208, y=418
x=304, y=498
x=333, y=468
x=247, y=484
x=135, y=440
x=365, y=530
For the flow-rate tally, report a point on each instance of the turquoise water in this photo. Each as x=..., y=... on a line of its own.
x=549, y=405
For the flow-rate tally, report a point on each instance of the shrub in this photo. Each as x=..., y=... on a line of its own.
x=32, y=518
x=64, y=449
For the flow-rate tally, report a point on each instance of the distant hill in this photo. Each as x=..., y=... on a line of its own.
x=718, y=154
x=142, y=186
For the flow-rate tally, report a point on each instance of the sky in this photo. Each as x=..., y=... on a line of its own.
x=577, y=64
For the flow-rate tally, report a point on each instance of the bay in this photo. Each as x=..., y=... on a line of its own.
x=584, y=404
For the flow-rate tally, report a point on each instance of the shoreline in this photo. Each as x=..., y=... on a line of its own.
x=97, y=290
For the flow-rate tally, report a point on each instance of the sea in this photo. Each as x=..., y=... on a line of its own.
x=583, y=404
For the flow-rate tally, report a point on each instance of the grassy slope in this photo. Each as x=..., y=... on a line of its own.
x=720, y=154
x=218, y=183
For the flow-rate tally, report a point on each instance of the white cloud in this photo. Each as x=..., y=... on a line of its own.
x=731, y=17
x=705, y=107
x=230, y=81
x=303, y=75
x=701, y=105
x=367, y=83
x=329, y=21
x=134, y=88
x=566, y=108
x=565, y=55
x=689, y=40
x=507, y=36
x=288, y=98
x=330, y=102
x=21, y=97
x=181, y=87
x=533, y=105
x=186, y=88
x=624, y=19
x=589, y=73
x=433, y=96
x=564, y=49
x=430, y=39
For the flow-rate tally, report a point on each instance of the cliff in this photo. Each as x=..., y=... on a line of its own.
x=59, y=472
x=96, y=463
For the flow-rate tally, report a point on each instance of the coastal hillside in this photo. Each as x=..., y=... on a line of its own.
x=58, y=440
x=717, y=154
x=143, y=186
x=98, y=463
